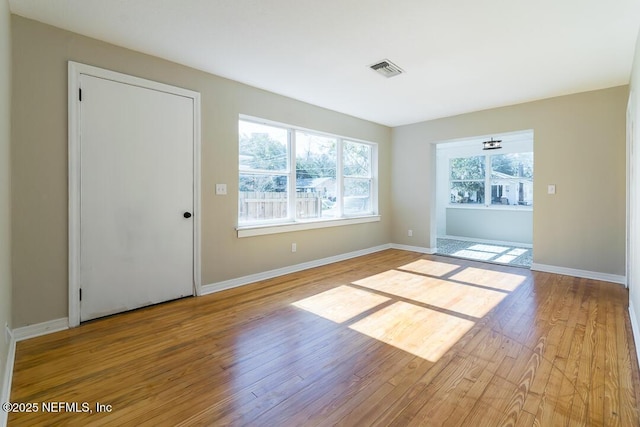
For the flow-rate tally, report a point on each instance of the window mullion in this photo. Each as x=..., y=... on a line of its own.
x=339, y=177
x=373, y=166
x=292, y=175
x=487, y=181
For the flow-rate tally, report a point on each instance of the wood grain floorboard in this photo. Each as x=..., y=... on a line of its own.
x=392, y=338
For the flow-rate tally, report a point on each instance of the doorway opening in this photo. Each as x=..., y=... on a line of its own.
x=484, y=198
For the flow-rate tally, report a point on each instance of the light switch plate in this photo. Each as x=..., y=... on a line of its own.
x=221, y=189
x=551, y=189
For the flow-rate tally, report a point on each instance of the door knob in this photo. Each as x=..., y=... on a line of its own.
x=187, y=215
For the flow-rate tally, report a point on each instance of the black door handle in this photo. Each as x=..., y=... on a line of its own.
x=187, y=215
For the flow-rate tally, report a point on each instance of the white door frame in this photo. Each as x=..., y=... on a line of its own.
x=76, y=69
x=516, y=141
x=631, y=195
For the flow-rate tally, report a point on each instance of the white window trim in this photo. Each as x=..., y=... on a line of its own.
x=290, y=223
x=274, y=228
x=490, y=207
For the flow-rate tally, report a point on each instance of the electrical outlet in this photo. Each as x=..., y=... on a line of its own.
x=410, y=233
x=294, y=247
x=221, y=189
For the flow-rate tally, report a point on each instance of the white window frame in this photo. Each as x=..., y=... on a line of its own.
x=291, y=223
x=482, y=180
x=369, y=177
x=288, y=172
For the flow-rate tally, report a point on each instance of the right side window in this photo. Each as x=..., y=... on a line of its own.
x=512, y=179
x=358, y=178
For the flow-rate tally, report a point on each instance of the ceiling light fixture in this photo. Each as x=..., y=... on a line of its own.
x=386, y=68
x=491, y=145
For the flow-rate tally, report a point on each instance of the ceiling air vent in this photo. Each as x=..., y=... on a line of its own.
x=387, y=68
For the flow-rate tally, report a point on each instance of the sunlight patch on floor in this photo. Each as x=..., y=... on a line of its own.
x=432, y=268
x=489, y=278
x=505, y=259
x=417, y=330
x=405, y=308
x=475, y=255
x=489, y=248
x=341, y=304
x=461, y=298
x=517, y=251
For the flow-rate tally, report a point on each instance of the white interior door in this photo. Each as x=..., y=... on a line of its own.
x=136, y=186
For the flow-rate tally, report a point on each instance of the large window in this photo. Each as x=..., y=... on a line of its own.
x=293, y=175
x=496, y=179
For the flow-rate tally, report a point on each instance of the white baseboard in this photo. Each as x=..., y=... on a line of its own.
x=245, y=280
x=5, y=392
x=32, y=331
x=605, y=277
x=635, y=329
x=429, y=251
x=488, y=242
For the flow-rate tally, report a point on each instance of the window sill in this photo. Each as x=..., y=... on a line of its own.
x=260, y=230
x=493, y=207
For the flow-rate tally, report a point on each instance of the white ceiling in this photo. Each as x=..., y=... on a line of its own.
x=459, y=55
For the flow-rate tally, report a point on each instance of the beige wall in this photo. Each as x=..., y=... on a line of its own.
x=633, y=129
x=491, y=224
x=5, y=180
x=579, y=145
x=39, y=160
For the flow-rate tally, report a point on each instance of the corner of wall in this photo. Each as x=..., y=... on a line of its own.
x=7, y=343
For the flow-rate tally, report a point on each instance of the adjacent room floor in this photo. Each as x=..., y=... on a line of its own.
x=517, y=256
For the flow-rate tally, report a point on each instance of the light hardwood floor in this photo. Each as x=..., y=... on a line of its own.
x=392, y=338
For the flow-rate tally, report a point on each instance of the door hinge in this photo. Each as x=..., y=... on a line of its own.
x=80, y=294
x=79, y=94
